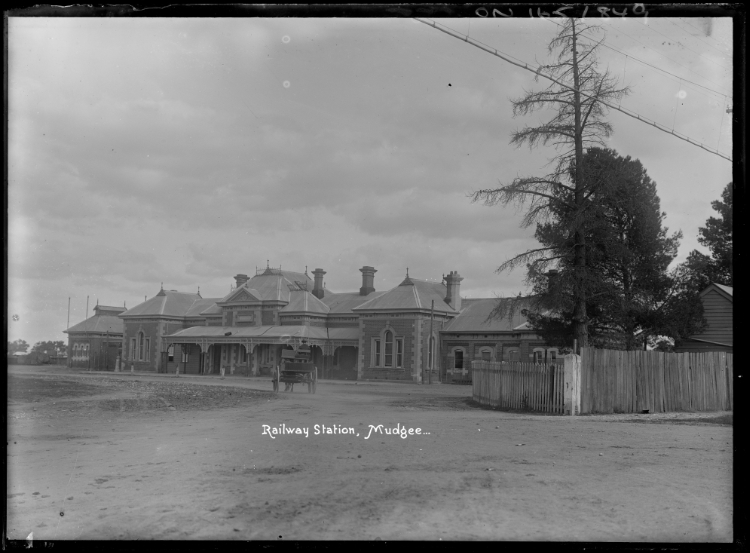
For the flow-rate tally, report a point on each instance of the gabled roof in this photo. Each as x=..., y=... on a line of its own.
x=243, y=293
x=344, y=303
x=411, y=294
x=99, y=323
x=474, y=313
x=726, y=291
x=167, y=303
x=304, y=302
x=201, y=305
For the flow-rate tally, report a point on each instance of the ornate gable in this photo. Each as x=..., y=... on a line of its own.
x=242, y=295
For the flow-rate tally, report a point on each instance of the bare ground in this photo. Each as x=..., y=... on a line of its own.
x=146, y=457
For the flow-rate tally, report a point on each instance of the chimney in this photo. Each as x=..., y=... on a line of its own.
x=240, y=279
x=551, y=275
x=318, y=285
x=368, y=280
x=453, y=282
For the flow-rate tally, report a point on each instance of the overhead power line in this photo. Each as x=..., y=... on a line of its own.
x=681, y=79
x=538, y=71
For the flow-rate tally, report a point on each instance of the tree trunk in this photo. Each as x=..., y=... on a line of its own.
x=580, y=326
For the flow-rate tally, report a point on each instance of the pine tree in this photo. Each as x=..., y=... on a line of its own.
x=578, y=124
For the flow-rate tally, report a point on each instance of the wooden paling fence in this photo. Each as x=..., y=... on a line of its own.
x=634, y=381
x=515, y=385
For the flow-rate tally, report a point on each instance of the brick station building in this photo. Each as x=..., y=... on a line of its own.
x=418, y=329
x=96, y=342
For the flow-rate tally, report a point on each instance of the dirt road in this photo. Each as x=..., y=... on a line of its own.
x=191, y=459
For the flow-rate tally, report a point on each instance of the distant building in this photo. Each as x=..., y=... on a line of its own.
x=718, y=312
x=96, y=342
x=353, y=335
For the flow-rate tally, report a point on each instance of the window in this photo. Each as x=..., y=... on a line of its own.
x=431, y=353
x=148, y=349
x=141, y=345
x=184, y=354
x=538, y=355
x=514, y=355
x=486, y=355
x=399, y=352
x=376, y=353
x=458, y=359
x=243, y=354
x=336, y=357
x=132, y=349
x=170, y=353
x=388, y=348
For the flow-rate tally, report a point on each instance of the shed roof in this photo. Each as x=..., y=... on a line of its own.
x=411, y=294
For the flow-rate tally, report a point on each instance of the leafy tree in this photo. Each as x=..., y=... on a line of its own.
x=48, y=347
x=631, y=294
x=578, y=123
x=18, y=346
x=717, y=237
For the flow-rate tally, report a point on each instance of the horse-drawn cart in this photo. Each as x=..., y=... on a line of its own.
x=295, y=368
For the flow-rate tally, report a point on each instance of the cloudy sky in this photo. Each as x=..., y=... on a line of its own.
x=185, y=151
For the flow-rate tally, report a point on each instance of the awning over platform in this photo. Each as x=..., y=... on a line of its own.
x=252, y=335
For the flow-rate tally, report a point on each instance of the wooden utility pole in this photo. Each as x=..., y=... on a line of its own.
x=431, y=354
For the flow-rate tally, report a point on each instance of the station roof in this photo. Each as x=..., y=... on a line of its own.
x=167, y=303
x=99, y=324
x=343, y=303
x=304, y=302
x=411, y=294
x=474, y=315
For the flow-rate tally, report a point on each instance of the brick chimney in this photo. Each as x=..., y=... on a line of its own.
x=240, y=279
x=453, y=282
x=318, y=285
x=368, y=280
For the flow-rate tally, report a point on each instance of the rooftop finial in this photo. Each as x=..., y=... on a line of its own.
x=199, y=290
x=407, y=272
x=268, y=263
x=162, y=285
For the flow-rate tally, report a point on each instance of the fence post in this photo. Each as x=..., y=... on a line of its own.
x=572, y=379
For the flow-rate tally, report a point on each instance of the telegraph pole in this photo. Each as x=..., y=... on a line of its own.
x=431, y=354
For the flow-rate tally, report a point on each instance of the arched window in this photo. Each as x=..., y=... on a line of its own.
x=538, y=355
x=514, y=355
x=388, y=339
x=485, y=354
x=170, y=353
x=141, y=346
x=552, y=356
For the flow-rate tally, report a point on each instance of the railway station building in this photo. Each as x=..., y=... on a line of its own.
x=417, y=330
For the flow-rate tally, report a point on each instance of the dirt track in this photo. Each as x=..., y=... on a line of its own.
x=187, y=459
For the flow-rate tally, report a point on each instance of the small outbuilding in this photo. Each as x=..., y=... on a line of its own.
x=718, y=312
